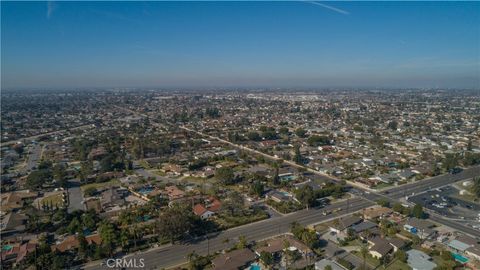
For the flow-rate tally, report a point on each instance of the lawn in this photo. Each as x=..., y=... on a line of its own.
x=110, y=183
x=370, y=260
x=395, y=265
x=145, y=164
x=398, y=265
x=158, y=172
x=382, y=185
x=226, y=221
x=55, y=199
x=321, y=227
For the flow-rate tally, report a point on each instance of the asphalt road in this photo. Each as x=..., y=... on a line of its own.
x=43, y=134
x=176, y=254
x=397, y=193
x=33, y=158
x=75, y=196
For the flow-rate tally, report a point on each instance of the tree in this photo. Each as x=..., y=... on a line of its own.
x=89, y=220
x=253, y=136
x=174, y=222
x=393, y=125
x=417, y=211
x=266, y=257
x=36, y=179
x=398, y=207
x=276, y=178
x=106, y=163
x=124, y=239
x=283, y=130
x=383, y=202
x=401, y=255
x=242, y=242
x=306, y=195
x=89, y=191
x=257, y=188
x=317, y=140
x=300, y=132
x=82, y=245
x=59, y=174
x=212, y=112
x=197, y=262
x=74, y=226
x=476, y=187
x=233, y=203
x=451, y=161
x=364, y=253
x=225, y=175
x=298, y=156
x=328, y=267
x=108, y=236
x=86, y=169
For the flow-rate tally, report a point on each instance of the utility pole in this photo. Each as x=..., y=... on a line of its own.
x=208, y=245
x=348, y=204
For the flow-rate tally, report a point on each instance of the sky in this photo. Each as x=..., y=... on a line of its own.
x=240, y=44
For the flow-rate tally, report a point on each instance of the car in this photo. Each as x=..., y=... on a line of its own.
x=455, y=170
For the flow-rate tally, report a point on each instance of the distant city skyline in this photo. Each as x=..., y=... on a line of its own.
x=240, y=44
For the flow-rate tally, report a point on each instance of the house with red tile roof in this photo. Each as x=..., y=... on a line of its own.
x=208, y=209
x=174, y=193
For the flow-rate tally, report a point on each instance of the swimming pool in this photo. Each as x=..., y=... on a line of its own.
x=459, y=258
x=287, y=178
x=255, y=267
x=145, y=190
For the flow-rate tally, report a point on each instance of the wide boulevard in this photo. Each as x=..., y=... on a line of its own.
x=172, y=255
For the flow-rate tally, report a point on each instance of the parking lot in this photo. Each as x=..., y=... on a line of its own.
x=442, y=202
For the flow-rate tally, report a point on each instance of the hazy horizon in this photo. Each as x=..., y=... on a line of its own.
x=240, y=45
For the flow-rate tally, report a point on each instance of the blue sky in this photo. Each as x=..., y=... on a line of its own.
x=240, y=44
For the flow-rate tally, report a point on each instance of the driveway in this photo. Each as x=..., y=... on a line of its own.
x=75, y=196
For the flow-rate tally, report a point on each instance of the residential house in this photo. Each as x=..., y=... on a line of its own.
x=71, y=242
x=397, y=244
x=202, y=212
x=379, y=247
x=374, y=213
x=16, y=253
x=174, y=193
x=363, y=226
x=419, y=260
x=278, y=196
x=15, y=200
x=344, y=223
x=93, y=203
x=273, y=246
x=12, y=223
x=208, y=209
x=112, y=197
x=473, y=252
x=233, y=260
x=421, y=228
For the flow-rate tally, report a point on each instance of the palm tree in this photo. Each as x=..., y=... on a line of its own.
x=364, y=253
x=124, y=238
